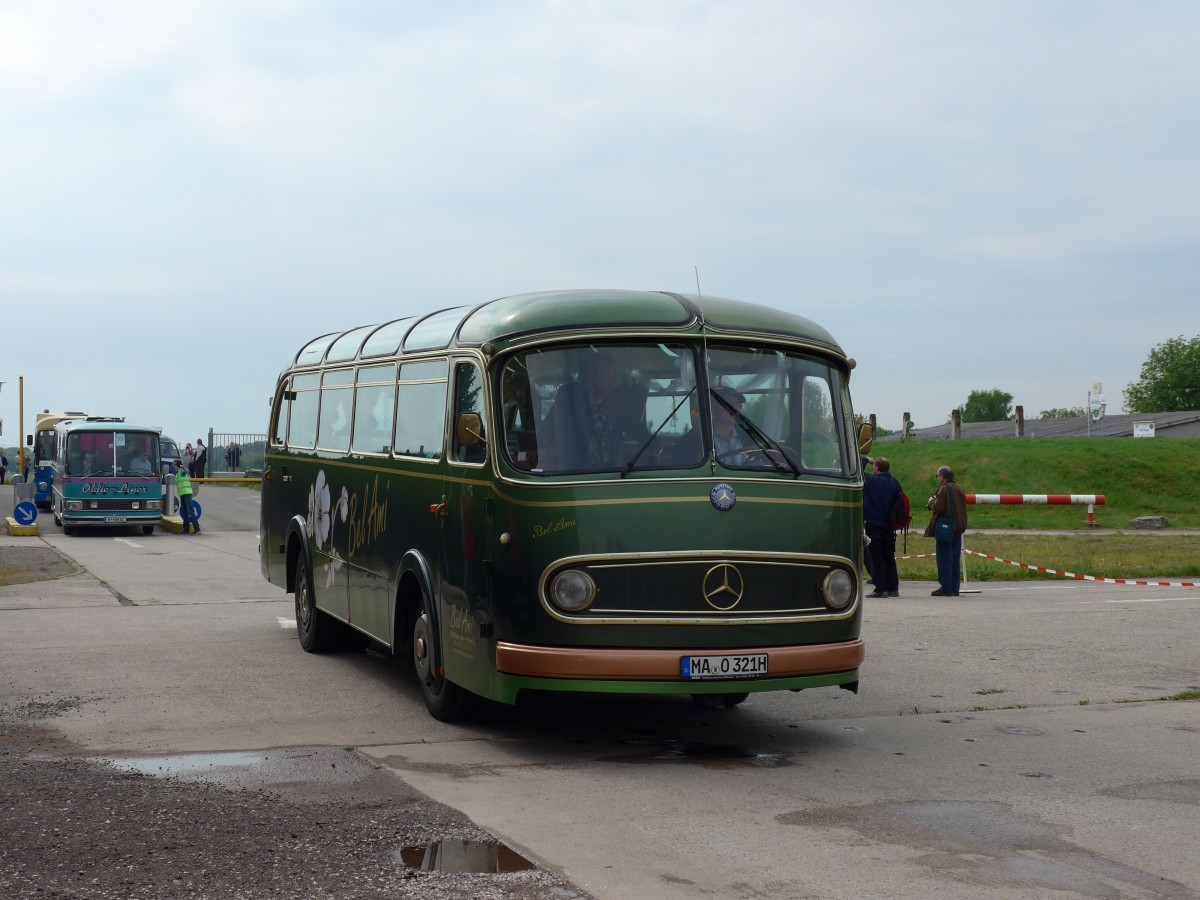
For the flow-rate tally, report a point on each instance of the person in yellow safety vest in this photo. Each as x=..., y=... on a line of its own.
x=183, y=486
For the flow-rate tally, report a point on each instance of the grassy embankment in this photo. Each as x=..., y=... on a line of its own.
x=1137, y=478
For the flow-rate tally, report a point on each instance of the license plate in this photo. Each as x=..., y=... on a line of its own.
x=115, y=519
x=741, y=665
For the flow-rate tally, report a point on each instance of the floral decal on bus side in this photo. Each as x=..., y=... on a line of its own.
x=320, y=522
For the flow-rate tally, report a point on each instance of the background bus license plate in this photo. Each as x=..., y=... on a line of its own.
x=114, y=518
x=745, y=665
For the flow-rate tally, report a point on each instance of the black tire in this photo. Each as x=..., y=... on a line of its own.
x=718, y=701
x=68, y=530
x=147, y=529
x=445, y=700
x=313, y=627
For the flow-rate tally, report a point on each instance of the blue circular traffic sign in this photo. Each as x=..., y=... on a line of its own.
x=196, y=510
x=25, y=513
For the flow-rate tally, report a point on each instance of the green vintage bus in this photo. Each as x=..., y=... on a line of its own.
x=588, y=490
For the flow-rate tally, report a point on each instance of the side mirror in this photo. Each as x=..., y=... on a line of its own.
x=29, y=440
x=469, y=430
x=864, y=439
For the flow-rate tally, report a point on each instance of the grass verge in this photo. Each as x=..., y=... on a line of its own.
x=1153, y=557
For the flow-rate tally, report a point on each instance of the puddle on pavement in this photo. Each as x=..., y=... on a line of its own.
x=323, y=766
x=189, y=764
x=463, y=857
x=670, y=750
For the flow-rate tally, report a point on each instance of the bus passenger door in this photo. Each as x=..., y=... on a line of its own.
x=465, y=584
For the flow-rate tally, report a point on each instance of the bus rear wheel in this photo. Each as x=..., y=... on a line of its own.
x=445, y=700
x=313, y=627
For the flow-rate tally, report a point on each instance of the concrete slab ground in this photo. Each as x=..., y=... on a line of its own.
x=1021, y=741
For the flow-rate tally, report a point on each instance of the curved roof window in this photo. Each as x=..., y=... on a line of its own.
x=314, y=351
x=346, y=347
x=435, y=331
x=386, y=339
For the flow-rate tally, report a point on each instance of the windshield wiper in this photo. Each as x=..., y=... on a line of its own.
x=650, y=440
x=765, y=442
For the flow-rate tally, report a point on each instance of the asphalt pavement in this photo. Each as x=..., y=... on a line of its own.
x=1020, y=741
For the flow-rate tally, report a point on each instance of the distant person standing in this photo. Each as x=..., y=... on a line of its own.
x=3, y=467
x=950, y=500
x=880, y=491
x=183, y=486
x=233, y=457
x=201, y=460
x=189, y=460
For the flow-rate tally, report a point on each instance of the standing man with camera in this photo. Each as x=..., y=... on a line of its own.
x=949, y=502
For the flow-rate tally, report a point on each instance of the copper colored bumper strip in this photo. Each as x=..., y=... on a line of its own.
x=663, y=665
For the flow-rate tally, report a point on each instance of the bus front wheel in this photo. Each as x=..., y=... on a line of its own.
x=445, y=700
x=313, y=627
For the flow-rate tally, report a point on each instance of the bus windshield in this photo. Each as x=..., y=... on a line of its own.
x=117, y=453
x=620, y=407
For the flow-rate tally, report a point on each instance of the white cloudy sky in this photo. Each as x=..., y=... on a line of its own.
x=968, y=195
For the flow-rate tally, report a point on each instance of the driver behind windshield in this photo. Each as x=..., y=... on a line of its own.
x=728, y=436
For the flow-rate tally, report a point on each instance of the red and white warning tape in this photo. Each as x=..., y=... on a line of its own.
x=1075, y=575
x=1078, y=577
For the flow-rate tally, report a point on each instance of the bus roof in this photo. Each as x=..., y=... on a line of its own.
x=511, y=319
x=46, y=420
x=102, y=423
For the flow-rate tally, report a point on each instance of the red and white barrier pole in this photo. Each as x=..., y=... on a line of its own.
x=1091, y=500
x=1037, y=499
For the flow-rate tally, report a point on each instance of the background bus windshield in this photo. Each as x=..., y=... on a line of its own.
x=112, y=453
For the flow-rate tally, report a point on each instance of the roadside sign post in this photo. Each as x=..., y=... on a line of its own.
x=23, y=520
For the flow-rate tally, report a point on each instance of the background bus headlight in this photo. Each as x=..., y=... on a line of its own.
x=838, y=589
x=572, y=590
x=42, y=486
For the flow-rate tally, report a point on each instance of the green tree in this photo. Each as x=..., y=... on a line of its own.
x=1074, y=412
x=988, y=406
x=1170, y=379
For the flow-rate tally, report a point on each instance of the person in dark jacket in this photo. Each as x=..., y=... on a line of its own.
x=879, y=493
x=950, y=500
x=201, y=468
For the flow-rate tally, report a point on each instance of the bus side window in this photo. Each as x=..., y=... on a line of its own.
x=374, y=409
x=302, y=429
x=469, y=442
x=279, y=417
x=421, y=409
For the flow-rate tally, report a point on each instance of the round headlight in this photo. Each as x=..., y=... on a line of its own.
x=42, y=486
x=838, y=589
x=572, y=590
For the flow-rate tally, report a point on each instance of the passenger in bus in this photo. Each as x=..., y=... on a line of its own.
x=92, y=464
x=592, y=416
x=728, y=436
